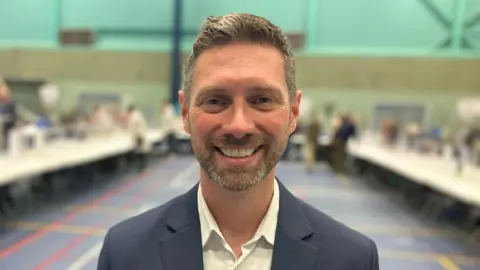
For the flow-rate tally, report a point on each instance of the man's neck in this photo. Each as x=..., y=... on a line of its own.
x=238, y=214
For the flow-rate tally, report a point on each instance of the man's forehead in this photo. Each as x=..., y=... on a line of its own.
x=241, y=73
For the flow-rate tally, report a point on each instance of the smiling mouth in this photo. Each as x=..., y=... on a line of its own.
x=238, y=153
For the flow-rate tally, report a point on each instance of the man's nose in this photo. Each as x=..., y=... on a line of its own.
x=240, y=123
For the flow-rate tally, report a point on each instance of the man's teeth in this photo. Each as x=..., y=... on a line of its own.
x=237, y=152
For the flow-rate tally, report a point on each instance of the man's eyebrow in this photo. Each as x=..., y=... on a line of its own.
x=210, y=91
x=219, y=91
x=267, y=88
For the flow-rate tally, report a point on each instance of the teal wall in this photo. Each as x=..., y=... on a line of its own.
x=380, y=27
x=342, y=25
x=378, y=24
x=28, y=22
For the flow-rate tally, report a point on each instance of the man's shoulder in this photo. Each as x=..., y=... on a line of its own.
x=336, y=235
x=143, y=226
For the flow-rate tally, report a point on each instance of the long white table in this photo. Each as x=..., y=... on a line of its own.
x=437, y=173
x=69, y=153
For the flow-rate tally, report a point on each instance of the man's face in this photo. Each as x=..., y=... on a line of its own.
x=239, y=116
x=4, y=92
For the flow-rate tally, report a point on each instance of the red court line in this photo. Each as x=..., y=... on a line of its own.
x=62, y=252
x=31, y=238
x=65, y=250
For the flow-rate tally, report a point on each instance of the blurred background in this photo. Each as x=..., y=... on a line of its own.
x=353, y=54
x=399, y=77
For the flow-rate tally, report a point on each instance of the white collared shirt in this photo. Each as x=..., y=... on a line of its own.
x=256, y=253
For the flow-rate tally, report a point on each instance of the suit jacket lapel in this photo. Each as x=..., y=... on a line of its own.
x=181, y=243
x=181, y=247
x=292, y=250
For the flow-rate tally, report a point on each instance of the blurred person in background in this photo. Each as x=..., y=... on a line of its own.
x=472, y=144
x=137, y=127
x=8, y=114
x=168, y=122
x=313, y=132
x=102, y=119
x=115, y=110
x=389, y=132
x=412, y=131
x=43, y=121
x=11, y=114
x=167, y=115
x=345, y=130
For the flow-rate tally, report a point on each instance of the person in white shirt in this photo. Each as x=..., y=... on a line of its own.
x=102, y=120
x=167, y=116
x=168, y=121
x=239, y=103
x=138, y=128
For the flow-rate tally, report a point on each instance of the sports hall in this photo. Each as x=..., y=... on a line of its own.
x=405, y=73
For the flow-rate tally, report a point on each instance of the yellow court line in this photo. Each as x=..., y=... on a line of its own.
x=447, y=263
x=343, y=179
x=75, y=229
x=110, y=210
x=407, y=231
x=429, y=257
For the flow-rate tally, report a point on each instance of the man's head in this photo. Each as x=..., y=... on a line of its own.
x=239, y=101
x=4, y=91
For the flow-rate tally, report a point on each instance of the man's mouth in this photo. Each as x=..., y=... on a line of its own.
x=238, y=152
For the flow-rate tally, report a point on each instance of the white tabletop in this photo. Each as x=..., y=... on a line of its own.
x=68, y=153
x=436, y=172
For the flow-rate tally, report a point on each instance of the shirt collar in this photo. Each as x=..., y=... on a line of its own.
x=267, y=227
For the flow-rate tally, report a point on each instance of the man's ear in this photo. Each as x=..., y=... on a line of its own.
x=295, y=112
x=184, y=110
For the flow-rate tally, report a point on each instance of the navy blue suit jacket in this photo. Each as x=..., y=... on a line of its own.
x=168, y=238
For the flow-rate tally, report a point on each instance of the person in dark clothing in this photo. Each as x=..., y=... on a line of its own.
x=389, y=132
x=313, y=131
x=8, y=117
x=472, y=142
x=8, y=114
x=344, y=132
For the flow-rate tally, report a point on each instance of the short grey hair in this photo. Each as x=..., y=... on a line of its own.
x=238, y=28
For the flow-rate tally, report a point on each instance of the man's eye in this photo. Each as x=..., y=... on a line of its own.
x=262, y=100
x=213, y=101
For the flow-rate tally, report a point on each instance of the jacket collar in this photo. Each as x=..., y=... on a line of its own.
x=182, y=236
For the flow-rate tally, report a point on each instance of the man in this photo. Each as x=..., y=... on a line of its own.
x=239, y=104
x=168, y=122
x=313, y=131
x=102, y=120
x=8, y=114
x=343, y=133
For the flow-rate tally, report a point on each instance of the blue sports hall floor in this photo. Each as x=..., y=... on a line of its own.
x=67, y=233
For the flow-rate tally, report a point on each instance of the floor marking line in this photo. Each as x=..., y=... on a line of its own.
x=93, y=252
x=144, y=208
x=343, y=179
x=109, y=210
x=447, y=263
x=78, y=240
x=87, y=257
x=428, y=257
x=61, y=253
x=325, y=190
x=426, y=232
x=75, y=229
x=54, y=225
x=180, y=178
